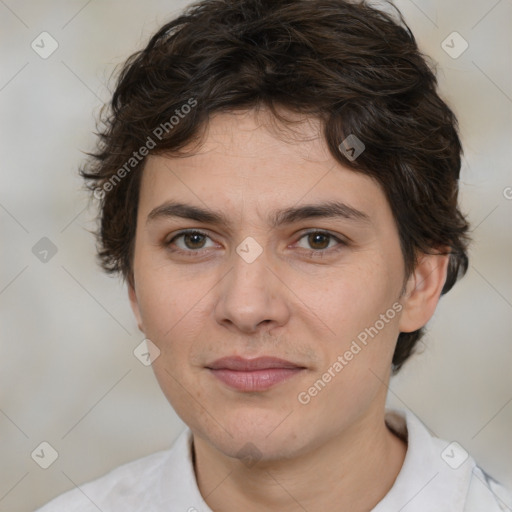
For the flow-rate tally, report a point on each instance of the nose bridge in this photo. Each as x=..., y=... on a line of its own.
x=250, y=270
x=250, y=294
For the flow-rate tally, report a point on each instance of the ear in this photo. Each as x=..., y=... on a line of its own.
x=423, y=290
x=134, y=303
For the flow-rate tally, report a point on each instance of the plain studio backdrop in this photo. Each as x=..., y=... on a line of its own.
x=68, y=373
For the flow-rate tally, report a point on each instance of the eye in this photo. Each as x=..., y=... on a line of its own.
x=191, y=241
x=320, y=241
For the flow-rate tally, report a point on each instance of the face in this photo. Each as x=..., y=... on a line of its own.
x=263, y=249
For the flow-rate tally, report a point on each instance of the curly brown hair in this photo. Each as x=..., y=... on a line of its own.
x=356, y=68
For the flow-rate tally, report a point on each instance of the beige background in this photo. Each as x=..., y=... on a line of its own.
x=68, y=375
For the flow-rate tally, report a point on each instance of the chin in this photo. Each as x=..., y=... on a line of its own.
x=256, y=435
x=251, y=449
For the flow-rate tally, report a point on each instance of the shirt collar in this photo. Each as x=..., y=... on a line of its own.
x=178, y=485
x=426, y=481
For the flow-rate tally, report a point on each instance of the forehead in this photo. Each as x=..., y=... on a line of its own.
x=248, y=159
x=259, y=132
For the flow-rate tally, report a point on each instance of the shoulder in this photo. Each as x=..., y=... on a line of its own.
x=447, y=476
x=485, y=493
x=125, y=487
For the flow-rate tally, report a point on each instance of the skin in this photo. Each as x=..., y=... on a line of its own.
x=303, y=299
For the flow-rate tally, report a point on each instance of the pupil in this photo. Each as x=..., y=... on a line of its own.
x=313, y=239
x=196, y=240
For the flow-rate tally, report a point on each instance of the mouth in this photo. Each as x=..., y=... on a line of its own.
x=250, y=375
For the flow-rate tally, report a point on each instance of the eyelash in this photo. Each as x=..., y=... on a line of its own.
x=315, y=252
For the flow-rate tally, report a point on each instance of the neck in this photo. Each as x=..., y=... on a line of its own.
x=354, y=469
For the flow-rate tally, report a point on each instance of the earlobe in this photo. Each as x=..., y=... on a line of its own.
x=423, y=290
x=134, y=303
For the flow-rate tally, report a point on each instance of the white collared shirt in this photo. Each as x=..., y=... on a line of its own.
x=436, y=476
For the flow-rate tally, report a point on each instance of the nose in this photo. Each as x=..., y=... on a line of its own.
x=252, y=297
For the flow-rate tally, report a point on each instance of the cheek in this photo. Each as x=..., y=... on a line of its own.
x=176, y=314
x=363, y=311
x=165, y=301
x=354, y=296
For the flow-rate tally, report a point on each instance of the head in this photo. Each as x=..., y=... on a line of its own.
x=310, y=136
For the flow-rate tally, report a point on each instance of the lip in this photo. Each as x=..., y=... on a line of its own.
x=256, y=374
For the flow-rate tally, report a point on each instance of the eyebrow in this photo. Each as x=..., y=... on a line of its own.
x=330, y=209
